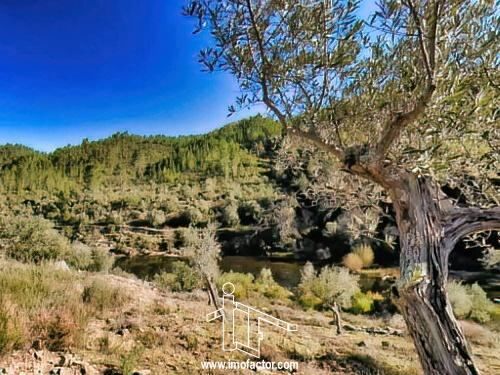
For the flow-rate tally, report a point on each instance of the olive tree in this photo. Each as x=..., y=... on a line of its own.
x=406, y=100
x=203, y=251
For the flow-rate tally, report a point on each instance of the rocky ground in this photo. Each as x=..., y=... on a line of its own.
x=166, y=333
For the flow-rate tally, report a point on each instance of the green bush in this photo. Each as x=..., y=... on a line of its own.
x=181, y=278
x=266, y=285
x=460, y=299
x=469, y=302
x=230, y=215
x=32, y=240
x=481, y=305
x=362, y=303
x=80, y=256
x=243, y=283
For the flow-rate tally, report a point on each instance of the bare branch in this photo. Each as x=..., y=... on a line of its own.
x=461, y=222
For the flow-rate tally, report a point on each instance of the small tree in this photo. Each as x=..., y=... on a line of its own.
x=203, y=251
x=405, y=101
x=332, y=288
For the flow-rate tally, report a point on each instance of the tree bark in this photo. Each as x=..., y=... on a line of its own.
x=212, y=293
x=336, y=316
x=421, y=291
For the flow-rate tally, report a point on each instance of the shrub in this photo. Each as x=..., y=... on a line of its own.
x=39, y=302
x=102, y=261
x=60, y=327
x=361, y=257
x=243, y=283
x=469, y=302
x=166, y=281
x=481, y=305
x=266, y=285
x=80, y=256
x=32, y=240
x=102, y=296
x=460, y=299
x=353, y=262
x=333, y=284
x=30, y=287
x=182, y=278
x=230, y=214
x=365, y=253
x=156, y=218
x=362, y=303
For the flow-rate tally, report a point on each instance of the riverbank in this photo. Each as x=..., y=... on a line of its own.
x=286, y=271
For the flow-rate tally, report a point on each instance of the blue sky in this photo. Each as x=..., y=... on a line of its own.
x=71, y=69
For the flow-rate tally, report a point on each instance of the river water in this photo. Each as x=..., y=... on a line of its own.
x=287, y=273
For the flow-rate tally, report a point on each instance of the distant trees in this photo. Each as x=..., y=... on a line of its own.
x=123, y=159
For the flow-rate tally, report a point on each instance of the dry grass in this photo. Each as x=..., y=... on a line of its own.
x=167, y=333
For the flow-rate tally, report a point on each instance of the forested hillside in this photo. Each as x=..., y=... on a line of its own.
x=125, y=159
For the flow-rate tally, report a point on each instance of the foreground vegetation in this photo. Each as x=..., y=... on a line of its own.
x=117, y=322
x=63, y=305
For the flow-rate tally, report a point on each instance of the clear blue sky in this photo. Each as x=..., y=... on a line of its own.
x=71, y=69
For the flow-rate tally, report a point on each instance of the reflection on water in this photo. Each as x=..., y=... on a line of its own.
x=286, y=274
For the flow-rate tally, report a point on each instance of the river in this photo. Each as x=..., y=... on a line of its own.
x=287, y=273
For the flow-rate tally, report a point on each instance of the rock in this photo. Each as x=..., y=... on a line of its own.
x=61, y=265
x=3, y=371
x=123, y=332
x=361, y=344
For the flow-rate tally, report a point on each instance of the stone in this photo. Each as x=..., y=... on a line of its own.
x=61, y=265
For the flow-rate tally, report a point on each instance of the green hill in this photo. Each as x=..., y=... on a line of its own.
x=123, y=159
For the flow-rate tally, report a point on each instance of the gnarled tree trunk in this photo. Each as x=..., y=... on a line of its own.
x=421, y=291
